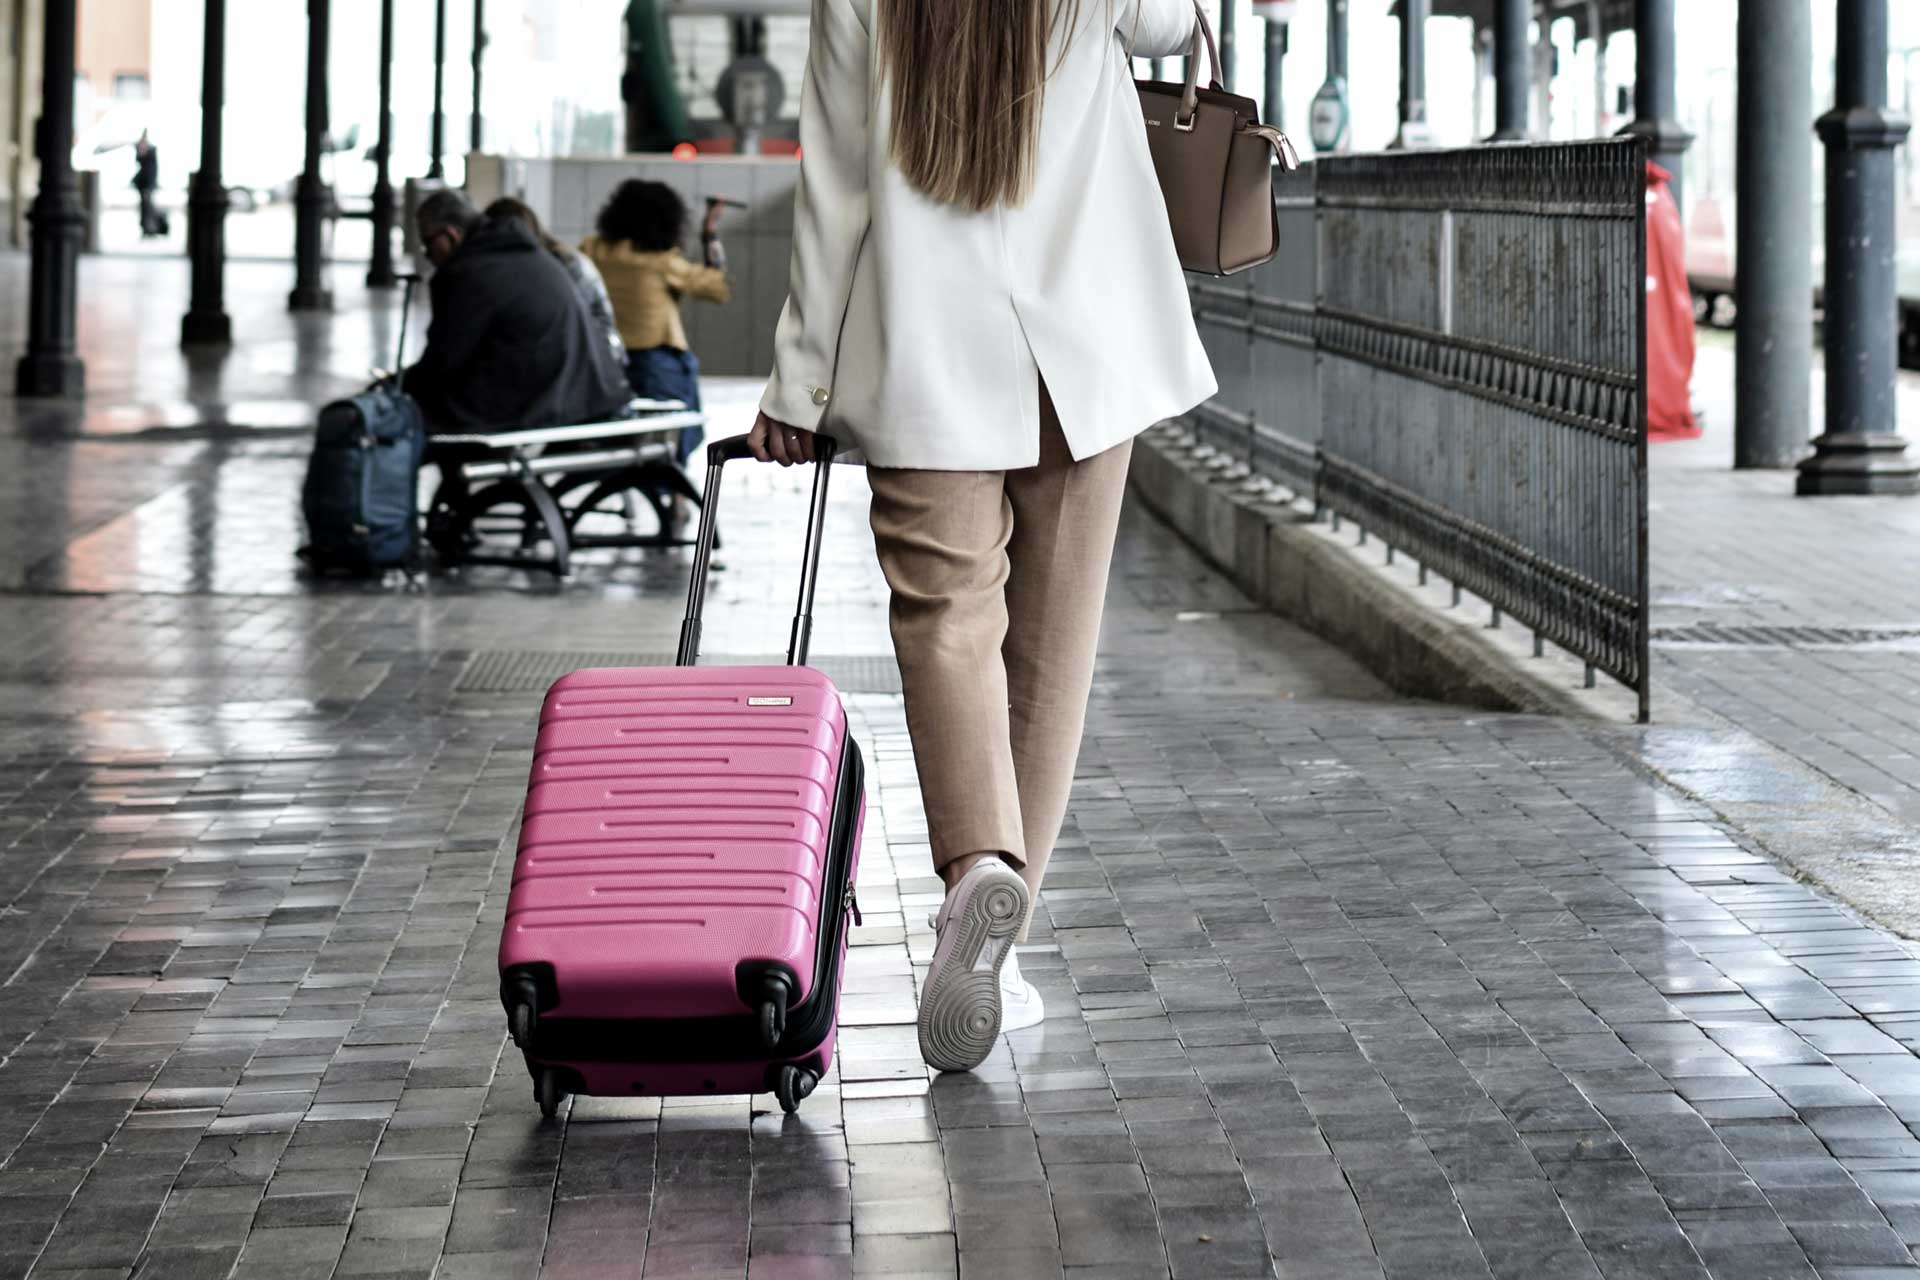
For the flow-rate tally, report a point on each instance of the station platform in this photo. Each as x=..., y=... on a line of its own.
x=1338, y=985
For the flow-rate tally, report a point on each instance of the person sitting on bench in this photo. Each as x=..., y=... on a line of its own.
x=580, y=269
x=510, y=345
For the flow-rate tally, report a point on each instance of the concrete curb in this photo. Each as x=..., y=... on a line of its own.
x=1306, y=573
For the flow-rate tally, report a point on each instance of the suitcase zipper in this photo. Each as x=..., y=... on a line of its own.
x=851, y=904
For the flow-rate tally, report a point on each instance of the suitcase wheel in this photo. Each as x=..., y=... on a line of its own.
x=521, y=1022
x=773, y=1021
x=769, y=991
x=793, y=1086
x=547, y=1092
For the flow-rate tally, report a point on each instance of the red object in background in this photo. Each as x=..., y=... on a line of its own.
x=722, y=145
x=1669, y=317
x=685, y=151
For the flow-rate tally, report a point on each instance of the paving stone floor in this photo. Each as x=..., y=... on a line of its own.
x=1737, y=549
x=1339, y=986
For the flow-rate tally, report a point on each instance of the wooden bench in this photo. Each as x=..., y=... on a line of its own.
x=519, y=490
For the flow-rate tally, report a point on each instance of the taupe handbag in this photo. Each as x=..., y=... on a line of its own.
x=1215, y=162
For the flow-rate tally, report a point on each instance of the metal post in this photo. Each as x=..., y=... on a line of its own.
x=1597, y=32
x=380, y=274
x=1413, y=75
x=436, y=167
x=1512, y=68
x=51, y=366
x=479, y=50
x=310, y=292
x=1773, y=343
x=1860, y=452
x=1329, y=122
x=1543, y=55
x=1274, y=110
x=1337, y=40
x=1229, y=42
x=206, y=321
x=1482, y=73
x=1653, y=76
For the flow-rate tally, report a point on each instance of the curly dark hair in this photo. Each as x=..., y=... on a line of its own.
x=649, y=215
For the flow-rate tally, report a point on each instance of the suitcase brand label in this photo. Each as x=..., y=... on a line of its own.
x=769, y=702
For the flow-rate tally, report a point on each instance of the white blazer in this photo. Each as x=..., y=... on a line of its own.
x=916, y=332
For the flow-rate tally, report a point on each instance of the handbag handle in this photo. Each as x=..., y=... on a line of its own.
x=1282, y=145
x=1190, y=98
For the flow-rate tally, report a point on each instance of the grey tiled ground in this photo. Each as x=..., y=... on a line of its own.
x=1737, y=548
x=1339, y=986
x=1813, y=750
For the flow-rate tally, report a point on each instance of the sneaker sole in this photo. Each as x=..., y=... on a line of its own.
x=960, y=1007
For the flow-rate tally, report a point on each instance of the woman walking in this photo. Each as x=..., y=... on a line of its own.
x=986, y=304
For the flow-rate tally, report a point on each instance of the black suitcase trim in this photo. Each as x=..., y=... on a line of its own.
x=730, y=1038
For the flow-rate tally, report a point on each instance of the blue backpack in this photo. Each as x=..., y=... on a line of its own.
x=361, y=493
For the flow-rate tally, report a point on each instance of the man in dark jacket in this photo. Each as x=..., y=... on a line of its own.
x=509, y=345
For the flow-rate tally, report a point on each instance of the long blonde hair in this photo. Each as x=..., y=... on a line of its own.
x=969, y=77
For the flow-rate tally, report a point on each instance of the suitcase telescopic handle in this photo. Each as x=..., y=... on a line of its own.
x=407, y=279
x=719, y=453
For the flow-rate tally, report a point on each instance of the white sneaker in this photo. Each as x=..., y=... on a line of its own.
x=960, y=1003
x=1020, y=1005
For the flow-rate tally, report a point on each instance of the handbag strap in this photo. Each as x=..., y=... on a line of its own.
x=1190, y=98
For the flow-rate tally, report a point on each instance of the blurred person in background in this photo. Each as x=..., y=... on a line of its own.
x=637, y=247
x=146, y=180
x=510, y=345
x=580, y=269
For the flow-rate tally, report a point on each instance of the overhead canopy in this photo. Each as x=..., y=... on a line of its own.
x=1615, y=15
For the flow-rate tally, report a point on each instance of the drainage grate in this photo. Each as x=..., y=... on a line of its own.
x=532, y=670
x=1782, y=637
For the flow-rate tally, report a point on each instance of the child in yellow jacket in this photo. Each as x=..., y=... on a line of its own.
x=637, y=250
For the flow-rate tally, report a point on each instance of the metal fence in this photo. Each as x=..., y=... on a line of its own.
x=1460, y=370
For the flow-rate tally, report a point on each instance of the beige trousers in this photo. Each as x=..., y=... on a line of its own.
x=998, y=581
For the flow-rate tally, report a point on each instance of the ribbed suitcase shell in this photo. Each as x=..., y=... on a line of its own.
x=679, y=824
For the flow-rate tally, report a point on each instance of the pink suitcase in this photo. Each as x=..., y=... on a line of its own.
x=683, y=889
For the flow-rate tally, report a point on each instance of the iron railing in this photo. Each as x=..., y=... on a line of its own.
x=1460, y=370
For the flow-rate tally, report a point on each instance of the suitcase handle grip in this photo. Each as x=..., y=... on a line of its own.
x=736, y=448
x=732, y=449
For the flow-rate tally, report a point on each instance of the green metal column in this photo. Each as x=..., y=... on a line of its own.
x=656, y=116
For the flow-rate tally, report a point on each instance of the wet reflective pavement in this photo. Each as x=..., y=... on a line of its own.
x=1338, y=986
x=1787, y=656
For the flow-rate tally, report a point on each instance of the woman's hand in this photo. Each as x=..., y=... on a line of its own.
x=773, y=441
